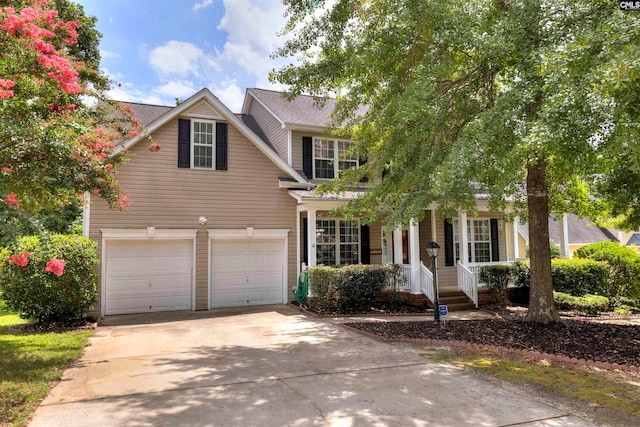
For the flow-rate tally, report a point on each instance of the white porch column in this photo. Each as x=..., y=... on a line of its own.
x=516, y=246
x=564, y=237
x=311, y=237
x=414, y=256
x=464, y=238
x=397, y=246
x=434, y=234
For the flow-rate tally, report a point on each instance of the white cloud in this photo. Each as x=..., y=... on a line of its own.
x=252, y=27
x=177, y=58
x=202, y=5
x=230, y=94
x=109, y=54
x=176, y=89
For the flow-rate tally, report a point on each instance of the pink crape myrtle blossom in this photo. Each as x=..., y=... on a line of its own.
x=20, y=259
x=55, y=266
x=5, y=85
x=11, y=200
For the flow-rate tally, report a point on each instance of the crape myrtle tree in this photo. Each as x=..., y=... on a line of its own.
x=535, y=102
x=57, y=129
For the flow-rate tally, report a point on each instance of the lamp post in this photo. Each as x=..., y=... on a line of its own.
x=432, y=249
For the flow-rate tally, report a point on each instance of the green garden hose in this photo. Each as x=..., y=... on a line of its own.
x=303, y=288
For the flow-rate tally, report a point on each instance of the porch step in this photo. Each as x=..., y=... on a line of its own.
x=456, y=301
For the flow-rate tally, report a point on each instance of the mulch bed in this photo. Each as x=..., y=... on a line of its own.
x=580, y=339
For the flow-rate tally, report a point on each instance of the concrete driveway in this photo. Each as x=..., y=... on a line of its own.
x=270, y=366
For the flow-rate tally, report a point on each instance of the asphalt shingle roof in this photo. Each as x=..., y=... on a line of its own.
x=303, y=110
x=147, y=113
x=581, y=230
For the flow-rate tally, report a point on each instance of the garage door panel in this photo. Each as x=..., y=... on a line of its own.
x=246, y=272
x=148, y=275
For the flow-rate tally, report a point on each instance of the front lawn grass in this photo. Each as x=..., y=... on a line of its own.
x=617, y=391
x=30, y=364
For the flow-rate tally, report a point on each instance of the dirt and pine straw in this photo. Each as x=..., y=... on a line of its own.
x=581, y=339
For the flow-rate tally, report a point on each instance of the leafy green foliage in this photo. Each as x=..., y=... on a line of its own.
x=623, y=264
x=580, y=276
x=38, y=294
x=348, y=288
x=496, y=278
x=478, y=94
x=556, y=252
x=53, y=143
x=575, y=276
x=587, y=305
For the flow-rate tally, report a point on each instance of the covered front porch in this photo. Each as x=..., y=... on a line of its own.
x=487, y=239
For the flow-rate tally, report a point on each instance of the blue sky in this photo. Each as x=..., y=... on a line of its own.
x=159, y=50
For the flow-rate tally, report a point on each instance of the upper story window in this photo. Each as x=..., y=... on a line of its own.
x=202, y=144
x=203, y=141
x=331, y=156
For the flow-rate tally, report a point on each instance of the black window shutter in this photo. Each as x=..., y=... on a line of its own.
x=448, y=242
x=184, y=143
x=221, y=146
x=363, y=161
x=307, y=156
x=305, y=241
x=495, y=251
x=365, y=245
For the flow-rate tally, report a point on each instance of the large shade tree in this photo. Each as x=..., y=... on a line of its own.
x=536, y=102
x=58, y=130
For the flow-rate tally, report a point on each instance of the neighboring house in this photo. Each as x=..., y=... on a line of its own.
x=224, y=216
x=573, y=233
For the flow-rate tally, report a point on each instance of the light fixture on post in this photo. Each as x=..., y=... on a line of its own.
x=432, y=250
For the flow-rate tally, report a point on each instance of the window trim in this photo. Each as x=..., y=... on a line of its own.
x=470, y=240
x=193, y=144
x=336, y=156
x=337, y=244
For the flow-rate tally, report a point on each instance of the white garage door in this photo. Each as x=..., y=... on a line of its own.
x=246, y=272
x=148, y=275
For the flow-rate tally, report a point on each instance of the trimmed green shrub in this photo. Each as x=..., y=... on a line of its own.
x=624, y=305
x=587, y=305
x=623, y=264
x=348, y=288
x=556, y=252
x=39, y=287
x=575, y=276
x=579, y=277
x=496, y=278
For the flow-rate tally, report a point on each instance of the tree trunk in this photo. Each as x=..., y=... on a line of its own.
x=541, y=306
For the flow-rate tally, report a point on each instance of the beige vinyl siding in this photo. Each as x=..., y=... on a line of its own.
x=203, y=109
x=375, y=242
x=296, y=149
x=272, y=128
x=165, y=196
x=522, y=246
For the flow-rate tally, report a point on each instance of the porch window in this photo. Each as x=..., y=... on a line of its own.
x=337, y=241
x=330, y=157
x=479, y=234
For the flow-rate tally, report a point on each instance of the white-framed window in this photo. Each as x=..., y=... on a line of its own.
x=337, y=241
x=479, y=235
x=330, y=156
x=203, y=144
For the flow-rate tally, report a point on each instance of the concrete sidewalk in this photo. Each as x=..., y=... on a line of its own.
x=271, y=366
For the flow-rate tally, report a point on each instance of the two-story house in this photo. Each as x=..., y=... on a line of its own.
x=224, y=215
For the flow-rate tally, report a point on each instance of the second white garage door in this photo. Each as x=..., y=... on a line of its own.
x=246, y=272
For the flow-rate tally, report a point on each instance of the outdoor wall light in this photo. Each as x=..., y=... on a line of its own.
x=202, y=220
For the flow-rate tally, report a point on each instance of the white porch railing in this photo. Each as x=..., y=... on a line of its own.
x=403, y=285
x=468, y=283
x=426, y=282
x=475, y=269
